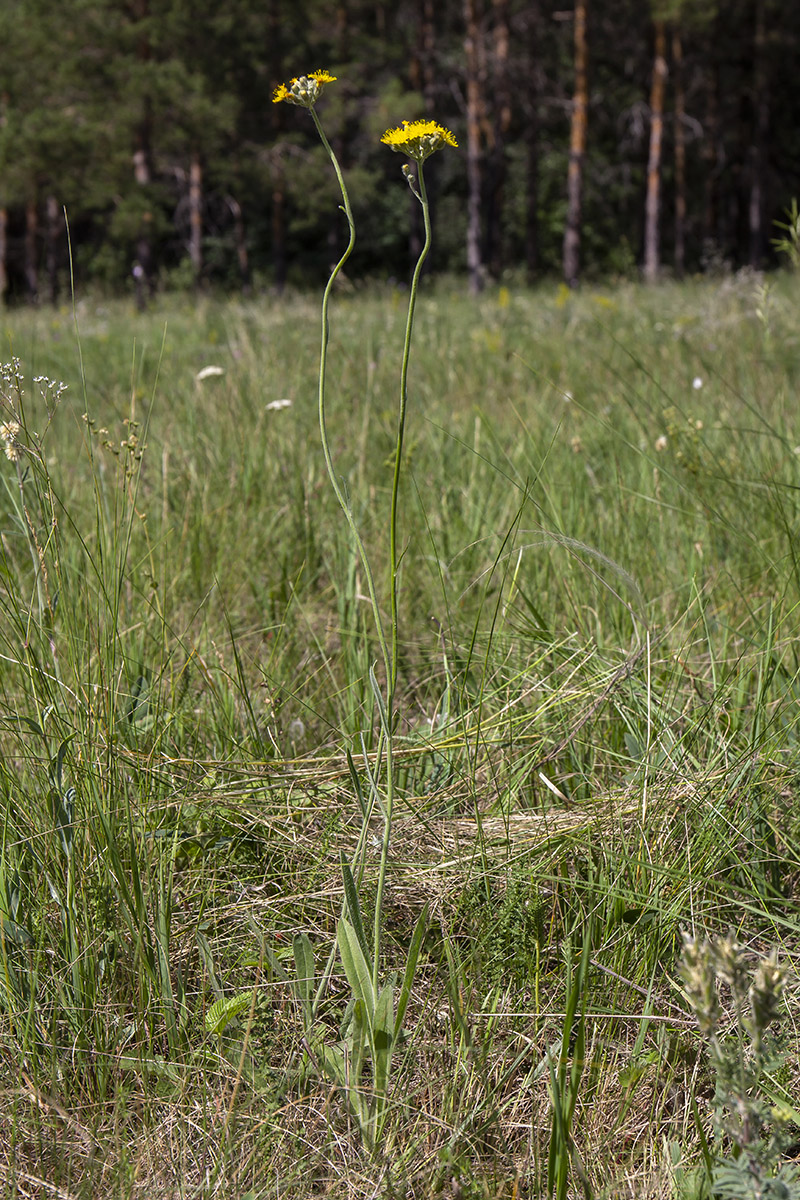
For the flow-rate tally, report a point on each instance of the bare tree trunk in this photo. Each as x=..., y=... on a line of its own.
x=31, y=256
x=52, y=227
x=501, y=96
x=240, y=242
x=653, y=200
x=713, y=165
x=532, y=145
x=196, y=217
x=475, y=266
x=279, y=225
x=143, y=267
x=532, y=198
x=577, y=148
x=341, y=50
x=680, y=154
x=277, y=50
x=3, y=253
x=422, y=78
x=757, y=155
x=143, y=174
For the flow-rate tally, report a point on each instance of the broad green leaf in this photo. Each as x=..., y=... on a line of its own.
x=223, y=1011
x=334, y=1065
x=357, y=971
x=304, y=966
x=383, y=1038
x=357, y=1043
x=12, y=932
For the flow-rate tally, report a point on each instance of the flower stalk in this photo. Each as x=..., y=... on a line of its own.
x=374, y=1022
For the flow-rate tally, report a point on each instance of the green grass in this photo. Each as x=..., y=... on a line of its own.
x=598, y=739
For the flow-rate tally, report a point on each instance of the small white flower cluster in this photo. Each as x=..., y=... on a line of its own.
x=11, y=402
x=10, y=394
x=50, y=390
x=11, y=376
x=209, y=373
x=9, y=432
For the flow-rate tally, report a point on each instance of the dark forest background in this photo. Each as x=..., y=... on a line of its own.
x=594, y=138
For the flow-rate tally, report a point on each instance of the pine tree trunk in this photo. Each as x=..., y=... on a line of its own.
x=653, y=200
x=279, y=226
x=3, y=253
x=532, y=146
x=757, y=152
x=31, y=253
x=496, y=166
x=712, y=164
x=422, y=76
x=277, y=51
x=577, y=148
x=680, y=155
x=143, y=174
x=336, y=229
x=475, y=266
x=196, y=217
x=240, y=241
x=52, y=228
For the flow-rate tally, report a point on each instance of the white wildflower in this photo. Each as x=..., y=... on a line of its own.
x=9, y=430
x=207, y=373
x=697, y=383
x=275, y=405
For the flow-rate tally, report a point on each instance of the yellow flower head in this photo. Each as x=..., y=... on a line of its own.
x=418, y=139
x=305, y=90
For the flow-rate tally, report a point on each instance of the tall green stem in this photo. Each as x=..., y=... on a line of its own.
x=422, y=196
x=323, y=430
x=389, y=654
x=394, y=565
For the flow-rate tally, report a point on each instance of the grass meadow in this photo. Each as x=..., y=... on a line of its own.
x=597, y=743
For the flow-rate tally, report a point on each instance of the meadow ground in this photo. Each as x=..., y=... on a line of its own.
x=597, y=719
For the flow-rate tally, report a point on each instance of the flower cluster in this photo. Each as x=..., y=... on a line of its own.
x=418, y=139
x=9, y=432
x=305, y=90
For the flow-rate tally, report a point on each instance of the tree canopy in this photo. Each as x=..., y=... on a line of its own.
x=151, y=123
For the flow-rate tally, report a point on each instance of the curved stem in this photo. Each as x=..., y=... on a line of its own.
x=393, y=569
x=401, y=424
x=323, y=360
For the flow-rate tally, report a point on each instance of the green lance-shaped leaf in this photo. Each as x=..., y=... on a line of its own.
x=333, y=1064
x=356, y=782
x=358, y=972
x=304, y=967
x=12, y=932
x=378, y=694
x=410, y=971
x=383, y=1038
x=57, y=765
x=353, y=905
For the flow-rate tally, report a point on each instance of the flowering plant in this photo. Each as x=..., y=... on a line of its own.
x=374, y=1019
